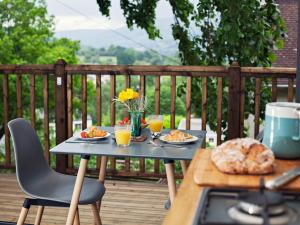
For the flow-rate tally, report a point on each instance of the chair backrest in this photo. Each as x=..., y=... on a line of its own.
x=31, y=164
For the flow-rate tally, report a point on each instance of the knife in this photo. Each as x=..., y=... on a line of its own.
x=283, y=179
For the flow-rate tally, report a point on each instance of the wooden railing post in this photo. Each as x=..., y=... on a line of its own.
x=234, y=100
x=61, y=109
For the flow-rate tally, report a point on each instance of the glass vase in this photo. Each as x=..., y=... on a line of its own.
x=136, y=128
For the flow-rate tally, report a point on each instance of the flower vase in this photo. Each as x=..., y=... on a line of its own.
x=136, y=128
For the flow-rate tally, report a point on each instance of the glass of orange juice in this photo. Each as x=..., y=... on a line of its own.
x=156, y=124
x=123, y=135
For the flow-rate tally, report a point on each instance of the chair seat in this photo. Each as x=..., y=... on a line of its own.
x=59, y=187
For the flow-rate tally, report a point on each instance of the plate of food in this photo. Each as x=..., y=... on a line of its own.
x=92, y=134
x=178, y=137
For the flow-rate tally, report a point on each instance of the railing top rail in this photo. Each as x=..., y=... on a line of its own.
x=132, y=69
x=268, y=70
x=149, y=70
x=28, y=68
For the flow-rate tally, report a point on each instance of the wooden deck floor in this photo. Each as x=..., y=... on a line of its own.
x=124, y=203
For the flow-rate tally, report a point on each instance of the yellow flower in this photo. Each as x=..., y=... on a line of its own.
x=129, y=93
x=123, y=96
x=135, y=95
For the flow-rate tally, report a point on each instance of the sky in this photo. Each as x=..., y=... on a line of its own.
x=84, y=14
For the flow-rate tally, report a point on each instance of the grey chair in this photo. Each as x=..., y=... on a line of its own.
x=38, y=180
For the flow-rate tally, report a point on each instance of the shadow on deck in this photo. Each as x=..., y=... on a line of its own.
x=124, y=203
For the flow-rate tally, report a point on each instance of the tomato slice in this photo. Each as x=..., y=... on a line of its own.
x=83, y=134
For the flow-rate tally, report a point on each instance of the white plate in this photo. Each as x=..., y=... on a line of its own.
x=188, y=141
x=91, y=139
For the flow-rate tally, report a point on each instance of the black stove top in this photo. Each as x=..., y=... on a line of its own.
x=239, y=206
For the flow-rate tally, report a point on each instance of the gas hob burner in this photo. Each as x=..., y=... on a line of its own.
x=261, y=207
x=224, y=206
x=242, y=217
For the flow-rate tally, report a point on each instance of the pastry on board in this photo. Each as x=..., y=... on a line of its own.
x=243, y=156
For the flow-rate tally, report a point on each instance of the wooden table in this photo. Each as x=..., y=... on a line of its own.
x=185, y=203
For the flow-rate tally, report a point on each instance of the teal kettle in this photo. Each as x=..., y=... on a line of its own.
x=282, y=129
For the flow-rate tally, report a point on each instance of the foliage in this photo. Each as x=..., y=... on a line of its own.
x=247, y=32
x=27, y=37
x=93, y=55
x=122, y=56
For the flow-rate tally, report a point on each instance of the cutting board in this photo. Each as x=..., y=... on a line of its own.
x=206, y=174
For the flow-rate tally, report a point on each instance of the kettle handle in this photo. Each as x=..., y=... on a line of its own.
x=297, y=138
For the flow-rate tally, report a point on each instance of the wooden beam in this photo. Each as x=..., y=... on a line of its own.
x=61, y=112
x=234, y=99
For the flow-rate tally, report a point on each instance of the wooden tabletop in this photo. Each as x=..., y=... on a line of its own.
x=183, y=208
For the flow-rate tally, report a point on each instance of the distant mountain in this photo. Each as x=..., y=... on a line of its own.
x=124, y=37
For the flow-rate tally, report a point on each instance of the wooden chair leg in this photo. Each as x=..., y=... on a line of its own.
x=77, y=220
x=97, y=220
x=22, y=216
x=171, y=180
x=98, y=205
x=39, y=215
x=183, y=166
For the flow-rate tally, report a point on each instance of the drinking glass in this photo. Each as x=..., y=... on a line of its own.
x=123, y=135
x=155, y=125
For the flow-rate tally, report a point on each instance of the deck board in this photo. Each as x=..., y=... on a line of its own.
x=125, y=202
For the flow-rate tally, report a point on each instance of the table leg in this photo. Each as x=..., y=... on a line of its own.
x=102, y=171
x=77, y=189
x=102, y=174
x=171, y=180
x=183, y=166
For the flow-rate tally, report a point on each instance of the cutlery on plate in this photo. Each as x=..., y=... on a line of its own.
x=165, y=145
x=283, y=179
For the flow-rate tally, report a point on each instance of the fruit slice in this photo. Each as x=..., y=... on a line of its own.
x=83, y=134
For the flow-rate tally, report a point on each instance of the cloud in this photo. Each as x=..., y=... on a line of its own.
x=79, y=14
x=79, y=22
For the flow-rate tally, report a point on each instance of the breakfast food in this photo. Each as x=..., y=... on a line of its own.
x=243, y=156
x=177, y=136
x=93, y=132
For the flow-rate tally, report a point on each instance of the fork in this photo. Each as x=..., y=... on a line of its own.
x=166, y=145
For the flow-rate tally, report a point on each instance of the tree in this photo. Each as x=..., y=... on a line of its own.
x=215, y=32
x=26, y=36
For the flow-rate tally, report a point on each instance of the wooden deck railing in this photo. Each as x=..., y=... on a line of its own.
x=60, y=76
